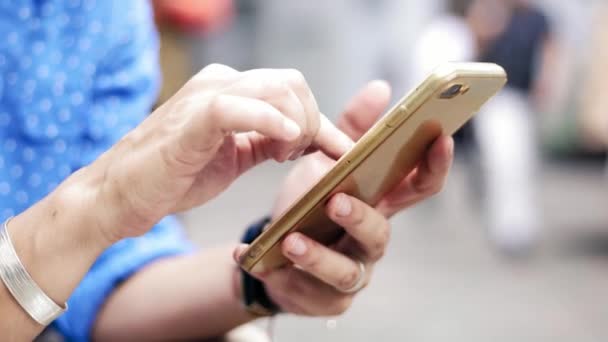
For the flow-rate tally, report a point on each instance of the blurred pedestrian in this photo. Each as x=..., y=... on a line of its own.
x=517, y=36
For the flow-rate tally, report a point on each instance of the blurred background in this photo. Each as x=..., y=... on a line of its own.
x=516, y=246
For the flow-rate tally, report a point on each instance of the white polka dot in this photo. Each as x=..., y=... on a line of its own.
x=8, y=212
x=11, y=38
x=28, y=154
x=77, y=98
x=26, y=62
x=10, y=145
x=32, y=120
x=34, y=180
x=5, y=119
x=2, y=59
x=52, y=131
x=48, y=163
x=21, y=197
x=73, y=61
x=84, y=44
x=64, y=170
x=38, y=47
x=42, y=71
x=5, y=188
x=29, y=86
x=95, y=27
x=24, y=13
x=16, y=171
x=60, y=146
x=11, y=78
x=64, y=115
x=51, y=186
x=45, y=105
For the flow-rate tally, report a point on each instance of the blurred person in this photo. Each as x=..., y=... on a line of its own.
x=517, y=36
x=92, y=191
x=445, y=38
x=593, y=118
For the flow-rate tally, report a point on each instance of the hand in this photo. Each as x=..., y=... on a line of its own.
x=316, y=285
x=220, y=124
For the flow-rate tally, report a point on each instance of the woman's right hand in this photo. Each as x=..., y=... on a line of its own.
x=220, y=124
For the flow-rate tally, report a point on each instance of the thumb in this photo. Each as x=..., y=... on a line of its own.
x=238, y=251
x=364, y=109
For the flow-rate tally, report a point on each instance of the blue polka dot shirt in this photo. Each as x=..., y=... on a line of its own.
x=75, y=76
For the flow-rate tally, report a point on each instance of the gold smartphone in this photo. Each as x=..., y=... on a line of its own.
x=389, y=151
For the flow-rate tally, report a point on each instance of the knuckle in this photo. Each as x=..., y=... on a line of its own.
x=295, y=78
x=357, y=217
x=435, y=189
x=312, y=261
x=276, y=88
x=213, y=68
x=422, y=186
x=214, y=107
x=348, y=279
x=379, y=246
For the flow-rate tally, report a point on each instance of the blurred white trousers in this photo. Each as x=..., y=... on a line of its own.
x=506, y=136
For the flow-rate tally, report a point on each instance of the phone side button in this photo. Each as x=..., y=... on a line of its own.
x=254, y=252
x=397, y=117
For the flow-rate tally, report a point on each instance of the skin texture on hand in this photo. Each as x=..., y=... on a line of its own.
x=314, y=286
x=152, y=308
x=219, y=125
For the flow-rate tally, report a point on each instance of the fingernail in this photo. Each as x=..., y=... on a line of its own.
x=297, y=153
x=236, y=255
x=343, y=207
x=348, y=142
x=447, y=162
x=291, y=129
x=296, y=246
x=451, y=146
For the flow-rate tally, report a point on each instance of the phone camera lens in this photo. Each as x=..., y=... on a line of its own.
x=451, y=91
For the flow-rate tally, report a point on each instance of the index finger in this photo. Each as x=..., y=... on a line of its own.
x=331, y=140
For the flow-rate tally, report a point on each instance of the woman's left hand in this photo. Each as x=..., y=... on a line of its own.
x=326, y=279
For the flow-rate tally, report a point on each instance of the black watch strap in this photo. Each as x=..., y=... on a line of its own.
x=255, y=298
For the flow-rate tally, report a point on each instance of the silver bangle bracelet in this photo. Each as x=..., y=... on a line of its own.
x=20, y=284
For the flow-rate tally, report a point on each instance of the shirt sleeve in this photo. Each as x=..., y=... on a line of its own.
x=127, y=78
x=125, y=88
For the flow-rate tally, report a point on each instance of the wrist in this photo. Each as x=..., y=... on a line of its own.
x=92, y=218
x=57, y=239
